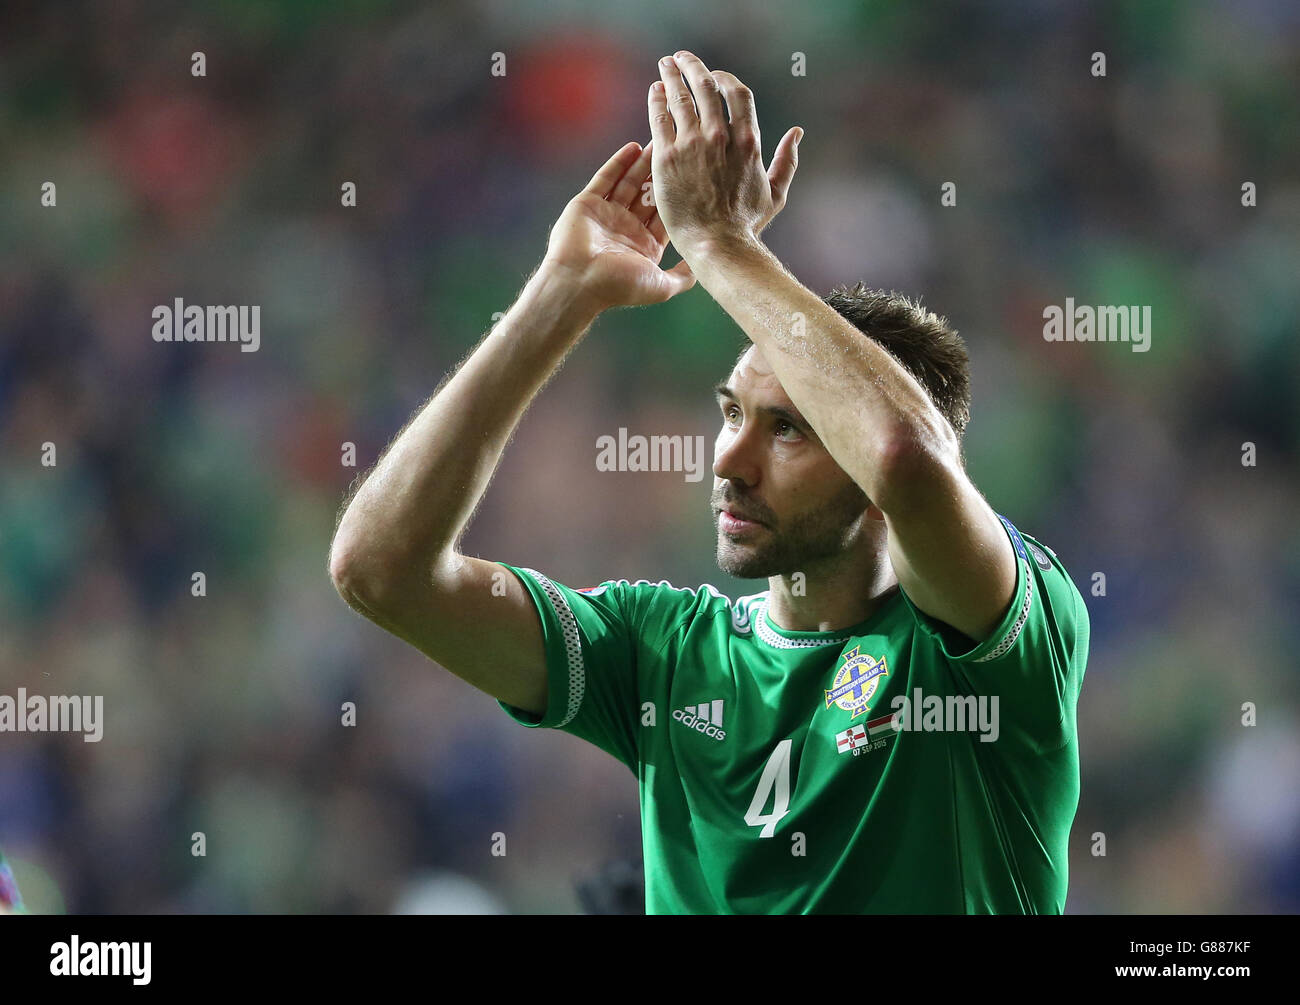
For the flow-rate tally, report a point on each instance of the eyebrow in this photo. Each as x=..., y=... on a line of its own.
x=776, y=411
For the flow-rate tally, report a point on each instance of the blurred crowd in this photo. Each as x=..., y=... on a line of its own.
x=224, y=723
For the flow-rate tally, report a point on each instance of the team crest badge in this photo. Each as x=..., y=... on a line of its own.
x=856, y=682
x=1043, y=561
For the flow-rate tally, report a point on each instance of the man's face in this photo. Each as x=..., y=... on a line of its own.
x=797, y=506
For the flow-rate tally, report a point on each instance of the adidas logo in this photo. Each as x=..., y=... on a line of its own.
x=706, y=718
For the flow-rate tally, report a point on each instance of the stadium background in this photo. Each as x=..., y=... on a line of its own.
x=223, y=712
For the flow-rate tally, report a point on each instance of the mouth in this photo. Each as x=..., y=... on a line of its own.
x=730, y=522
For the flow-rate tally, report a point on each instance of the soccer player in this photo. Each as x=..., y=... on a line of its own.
x=890, y=725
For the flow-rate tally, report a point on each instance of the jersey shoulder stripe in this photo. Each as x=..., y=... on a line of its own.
x=572, y=646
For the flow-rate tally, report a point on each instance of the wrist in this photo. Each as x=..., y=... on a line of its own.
x=720, y=246
x=562, y=290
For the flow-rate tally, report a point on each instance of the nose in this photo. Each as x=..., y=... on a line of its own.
x=736, y=455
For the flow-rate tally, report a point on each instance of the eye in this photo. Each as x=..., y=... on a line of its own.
x=783, y=427
x=729, y=412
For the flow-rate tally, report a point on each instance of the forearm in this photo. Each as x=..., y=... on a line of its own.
x=873, y=417
x=419, y=497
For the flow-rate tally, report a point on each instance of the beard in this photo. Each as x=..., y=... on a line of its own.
x=784, y=546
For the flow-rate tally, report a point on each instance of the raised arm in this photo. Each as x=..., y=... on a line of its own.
x=394, y=556
x=947, y=546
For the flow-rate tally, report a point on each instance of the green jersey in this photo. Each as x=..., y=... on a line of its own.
x=891, y=767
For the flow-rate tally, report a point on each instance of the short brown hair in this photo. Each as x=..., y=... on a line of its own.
x=922, y=342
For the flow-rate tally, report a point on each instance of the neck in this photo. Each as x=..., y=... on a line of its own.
x=828, y=599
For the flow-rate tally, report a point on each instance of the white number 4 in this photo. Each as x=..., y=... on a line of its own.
x=775, y=783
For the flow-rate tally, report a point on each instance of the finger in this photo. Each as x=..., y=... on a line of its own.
x=740, y=102
x=643, y=205
x=784, y=164
x=680, y=103
x=629, y=186
x=657, y=229
x=604, y=180
x=708, y=95
x=662, y=130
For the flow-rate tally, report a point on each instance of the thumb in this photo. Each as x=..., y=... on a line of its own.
x=678, y=279
x=784, y=164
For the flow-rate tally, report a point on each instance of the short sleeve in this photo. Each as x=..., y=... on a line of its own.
x=591, y=670
x=1034, y=659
